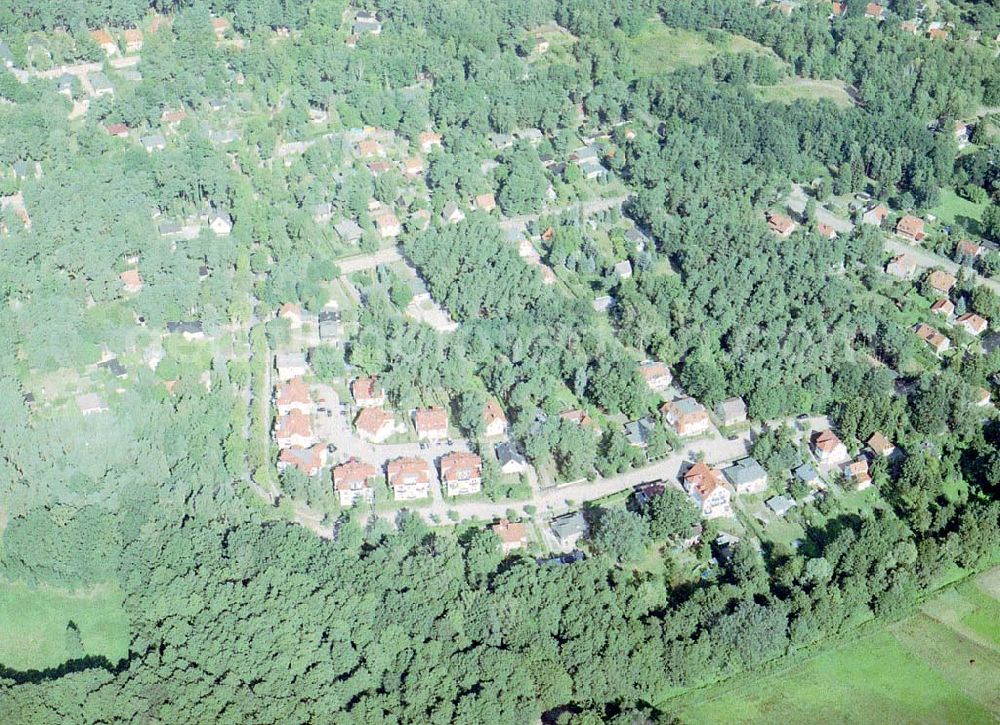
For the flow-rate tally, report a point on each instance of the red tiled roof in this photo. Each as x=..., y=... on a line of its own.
x=459, y=466
x=703, y=479
x=292, y=392
x=294, y=423
x=372, y=420
x=510, y=533
x=428, y=419
x=827, y=441
x=493, y=413
x=407, y=471
x=352, y=471
x=366, y=389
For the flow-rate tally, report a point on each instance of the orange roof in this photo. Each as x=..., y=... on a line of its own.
x=366, y=389
x=580, y=417
x=780, y=223
x=289, y=308
x=131, y=279
x=173, y=116
x=911, y=226
x=837, y=8
x=653, y=370
x=293, y=424
x=874, y=9
x=826, y=231
x=429, y=137
x=353, y=471
x=459, y=466
x=369, y=147
x=880, y=444
x=941, y=281
x=493, y=413
x=510, y=533
x=294, y=391
x=372, y=420
x=386, y=220
x=701, y=478
x=973, y=322
x=931, y=336
x=132, y=35
x=102, y=37
x=408, y=471
x=413, y=165
x=219, y=24
x=937, y=34
x=968, y=248
x=827, y=441
x=428, y=419
x=943, y=306
x=307, y=460
x=486, y=202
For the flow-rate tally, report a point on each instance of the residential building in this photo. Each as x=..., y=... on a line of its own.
x=117, y=129
x=826, y=231
x=429, y=140
x=510, y=459
x=153, y=142
x=780, y=505
x=686, y=416
x=462, y=473
x=972, y=323
x=901, y=266
x=293, y=429
x=91, y=403
x=780, y=224
x=374, y=425
x=940, y=281
x=638, y=432
x=367, y=148
x=220, y=222
x=131, y=281
x=875, y=215
x=452, y=214
x=857, y=472
x=290, y=365
x=410, y=478
x=494, y=421
x=190, y=329
x=133, y=40
x=709, y=493
x=486, y=202
x=293, y=395
x=578, y=417
x=349, y=231
x=309, y=461
x=656, y=374
x=747, y=476
x=293, y=313
x=938, y=342
x=880, y=445
x=100, y=84
x=569, y=528
x=366, y=23
x=874, y=11
x=646, y=492
x=105, y=41
x=603, y=303
x=431, y=423
x=808, y=475
x=966, y=250
x=513, y=535
x=828, y=448
x=353, y=482
x=732, y=411
x=943, y=306
x=413, y=166
x=388, y=225
x=220, y=26
x=622, y=269
x=367, y=393
x=911, y=228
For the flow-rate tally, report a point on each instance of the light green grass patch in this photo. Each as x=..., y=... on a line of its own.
x=807, y=89
x=33, y=624
x=659, y=49
x=875, y=680
x=952, y=208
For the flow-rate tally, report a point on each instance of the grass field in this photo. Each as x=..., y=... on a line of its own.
x=660, y=49
x=808, y=89
x=941, y=665
x=33, y=625
x=952, y=208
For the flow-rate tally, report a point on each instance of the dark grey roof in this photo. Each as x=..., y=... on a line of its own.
x=114, y=367
x=191, y=326
x=564, y=559
x=780, y=504
x=744, y=471
x=638, y=431
x=569, y=525
x=167, y=228
x=806, y=473
x=506, y=453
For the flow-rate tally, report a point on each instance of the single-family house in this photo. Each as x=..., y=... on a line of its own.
x=367, y=393
x=452, y=214
x=90, y=403
x=513, y=535
x=578, y=417
x=808, y=475
x=874, y=11
x=290, y=365
x=379, y=167
x=943, y=306
x=828, y=448
x=732, y=411
x=486, y=202
x=780, y=224
x=638, y=238
x=857, y=472
x=220, y=26
x=133, y=40
x=646, y=492
x=826, y=231
x=429, y=140
x=780, y=505
x=348, y=230
x=686, y=416
x=189, y=329
x=153, y=142
x=353, y=482
x=131, y=281
x=322, y=212
x=704, y=485
x=603, y=303
x=388, y=225
x=100, y=84
x=967, y=250
x=972, y=323
x=982, y=397
x=940, y=281
x=308, y=460
x=220, y=222
x=368, y=147
x=293, y=395
x=875, y=215
x=462, y=473
x=510, y=459
x=410, y=478
x=293, y=429
x=747, y=476
x=911, y=227
x=494, y=421
x=413, y=166
x=374, y=425
x=938, y=342
x=293, y=313
x=66, y=85
x=105, y=41
x=592, y=169
x=622, y=269
x=117, y=129
x=880, y=445
x=569, y=528
x=431, y=423
x=638, y=432
x=656, y=374
x=901, y=266
x=366, y=24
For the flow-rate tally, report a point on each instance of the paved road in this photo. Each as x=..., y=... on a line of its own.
x=796, y=201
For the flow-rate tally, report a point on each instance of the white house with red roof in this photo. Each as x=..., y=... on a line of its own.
x=293, y=430
x=293, y=395
x=462, y=473
x=431, y=423
x=353, y=482
x=410, y=478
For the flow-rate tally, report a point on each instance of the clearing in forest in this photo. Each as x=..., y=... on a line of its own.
x=660, y=49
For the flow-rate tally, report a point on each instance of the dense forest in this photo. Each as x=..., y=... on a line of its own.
x=234, y=614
